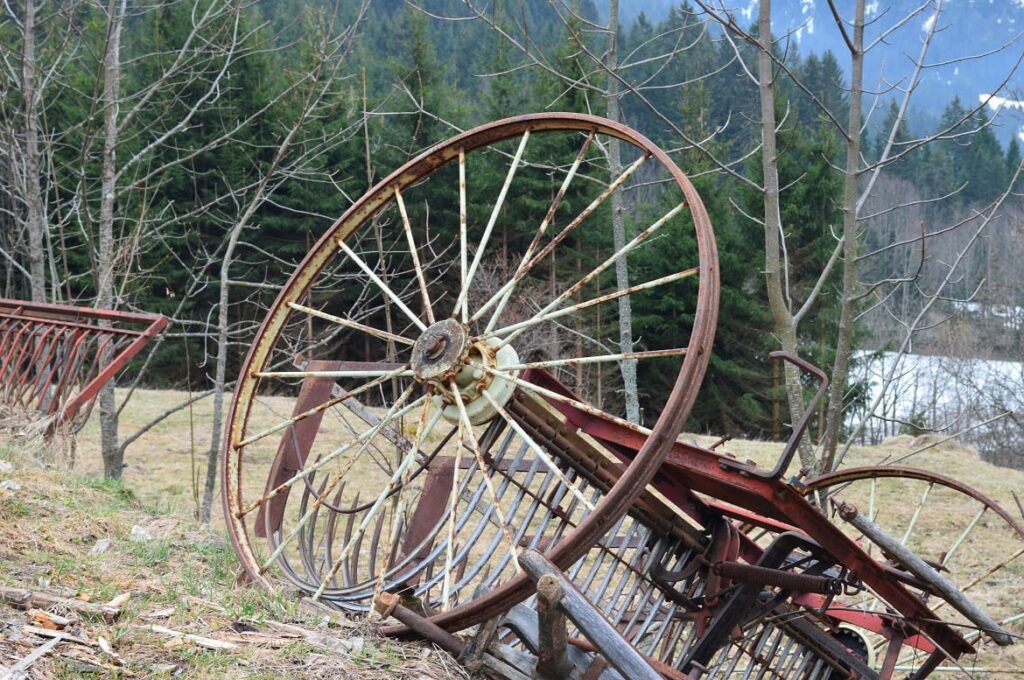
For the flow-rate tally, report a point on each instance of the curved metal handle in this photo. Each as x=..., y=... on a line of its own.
x=798, y=430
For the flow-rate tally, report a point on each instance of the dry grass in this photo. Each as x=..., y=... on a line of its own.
x=55, y=534
x=182, y=578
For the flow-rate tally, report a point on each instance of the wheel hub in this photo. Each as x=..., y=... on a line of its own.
x=439, y=352
x=444, y=358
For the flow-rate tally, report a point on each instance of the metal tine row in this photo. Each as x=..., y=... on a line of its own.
x=39, y=357
x=539, y=487
x=786, y=659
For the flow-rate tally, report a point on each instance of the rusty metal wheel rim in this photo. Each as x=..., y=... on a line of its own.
x=612, y=505
x=920, y=488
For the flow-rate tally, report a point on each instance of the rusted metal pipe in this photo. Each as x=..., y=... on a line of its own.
x=389, y=604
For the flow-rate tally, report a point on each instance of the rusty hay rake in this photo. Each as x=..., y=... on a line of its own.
x=55, y=358
x=424, y=427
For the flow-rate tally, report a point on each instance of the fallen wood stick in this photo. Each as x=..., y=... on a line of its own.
x=16, y=671
x=37, y=599
x=206, y=642
x=308, y=606
x=330, y=642
x=49, y=620
x=57, y=634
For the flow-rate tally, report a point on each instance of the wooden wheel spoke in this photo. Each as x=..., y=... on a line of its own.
x=376, y=373
x=600, y=358
x=539, y=451
x=453, y=503
x=526, y=266
x=549, y=394
x=502, y=298
x=333, y=401
x=400, y=500
x=514, y=330
x=396, y=411
x=462, y=303
x=420, y=277
x=576, y=287
x=409, y=456
x=482, y=465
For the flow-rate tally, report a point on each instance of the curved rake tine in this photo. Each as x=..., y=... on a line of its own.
x=399, y=501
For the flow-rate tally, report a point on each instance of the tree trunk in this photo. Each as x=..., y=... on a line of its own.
x=844, y=343
x=213, y=454
x=113, y=456
x=35, y=218
x=628, y=366
x=783, y=322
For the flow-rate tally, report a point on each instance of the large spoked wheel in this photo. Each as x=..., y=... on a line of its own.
x=974, y=542
x=373, y=442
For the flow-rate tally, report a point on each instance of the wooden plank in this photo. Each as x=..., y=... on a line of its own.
x=620, y=654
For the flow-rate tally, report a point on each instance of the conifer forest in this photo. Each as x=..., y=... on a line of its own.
x=182, y=157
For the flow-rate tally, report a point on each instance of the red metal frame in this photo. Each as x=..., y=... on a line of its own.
x=689, y=470
x=55, y=358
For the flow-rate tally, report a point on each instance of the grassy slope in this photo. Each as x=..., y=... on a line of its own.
x=57, y=517
x=183, y=579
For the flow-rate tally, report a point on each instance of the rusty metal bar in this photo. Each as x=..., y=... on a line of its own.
x=689, y=468
x=389, y=604
x=787, y=580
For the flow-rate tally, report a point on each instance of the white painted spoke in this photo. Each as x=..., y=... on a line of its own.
x=400, y=500
x=963, y=536
x=981, y=577
x=482, y=465
x=528, y=255
x=453, y=504
x=917, y=513
x=600, y=358
x=462, y=302
x=524, y=268
x=540, y=452
x=407, y=226
x=321, y=407
x=301, y=524
x=403, y=373
x=383, y=335
x=397, y=478
x=320, y=499
x=537, y=389
x=380, y=284
x=463, y=239
x=517, y=328
x=572, y=290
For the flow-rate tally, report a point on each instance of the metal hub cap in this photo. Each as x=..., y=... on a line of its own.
x=439, y=350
